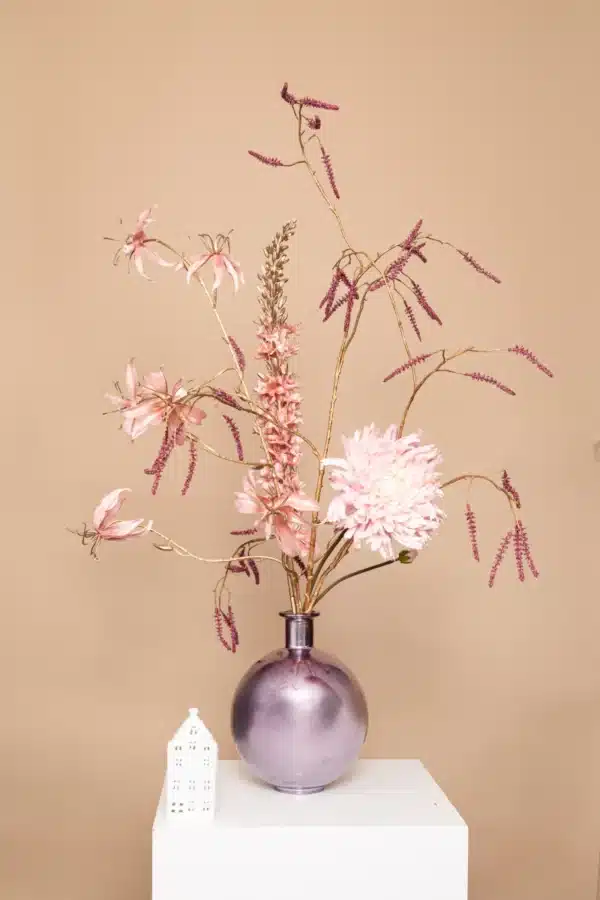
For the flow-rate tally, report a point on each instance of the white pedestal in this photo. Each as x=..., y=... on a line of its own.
x=385, y=832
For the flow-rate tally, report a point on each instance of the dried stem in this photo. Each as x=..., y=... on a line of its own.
x=182, y=551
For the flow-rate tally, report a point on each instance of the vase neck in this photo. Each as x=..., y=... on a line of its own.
x=299, y=630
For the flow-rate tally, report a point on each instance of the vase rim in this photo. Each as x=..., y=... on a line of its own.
x=288, y=614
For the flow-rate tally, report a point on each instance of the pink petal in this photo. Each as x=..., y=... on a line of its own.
x=196, y=416
x=144, y=218
x=109, y=506
x=139, y=264
x=158, y=258
x=302, y=503
x=140, y=425
x=244, y=503
x=219, y=269
x=156, y=381
x=131, y=379
x=195, y=265
x=140, y=410
x=286, y=538
x=119, y=531
x=235, y=271
x=118, y=401
x=232, y=272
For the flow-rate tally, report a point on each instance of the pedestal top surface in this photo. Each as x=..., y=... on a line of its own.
x=378, y=792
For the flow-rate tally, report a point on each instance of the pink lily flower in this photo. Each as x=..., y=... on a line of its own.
x=151, y=403
x=106, y=526
x=136, y=247
x=219, y=252
x=280, y=516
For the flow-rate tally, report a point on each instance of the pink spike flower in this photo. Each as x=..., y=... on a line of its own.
x=136, y=247
x=150, y=402
x=217, y=251
x=106, y=526
x=387, y=490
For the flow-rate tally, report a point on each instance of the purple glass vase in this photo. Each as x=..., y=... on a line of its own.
x=299, y=716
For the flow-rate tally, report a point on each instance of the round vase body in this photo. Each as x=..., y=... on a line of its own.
x=299, y=716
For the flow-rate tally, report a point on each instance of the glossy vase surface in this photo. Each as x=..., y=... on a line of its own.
x=299, y=716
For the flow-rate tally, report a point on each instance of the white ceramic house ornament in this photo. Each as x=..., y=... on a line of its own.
x=191, y=770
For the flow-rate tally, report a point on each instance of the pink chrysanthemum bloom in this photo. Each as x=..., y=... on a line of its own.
x=387, y=490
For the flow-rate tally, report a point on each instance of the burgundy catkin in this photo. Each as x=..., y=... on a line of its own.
x=424, y=302
x=409, y=364
x=230, y=622
x=267, y=160
x=314, y=123
x=243, y=532
x=518, y=548
x=472, y=528
x=238, y=352
x=193, y=461
x=220, y=619
x=510, y=488
x=254, y=569
x=489, y=379
x=235, y=431
x=225, y=398
x=158, y=466
x=349, y=297
x=410, y=315
x=285, y=95
x=413, y=235
x=527, y=552
x=499, y=557
x=331, y=291
x=318, y=104
x=397, y=266
x=330, y=173
x=532, y=358
x=478, y=268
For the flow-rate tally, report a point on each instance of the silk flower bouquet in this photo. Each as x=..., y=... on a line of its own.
x=386, y=489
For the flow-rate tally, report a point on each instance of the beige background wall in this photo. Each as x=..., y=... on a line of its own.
x=479, y=116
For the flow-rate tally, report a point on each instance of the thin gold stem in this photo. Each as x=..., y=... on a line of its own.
x=240, y=462
x=425, y=379
x=470, y=477
x=182, y=551
x=388, y=562
x=326, y=554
